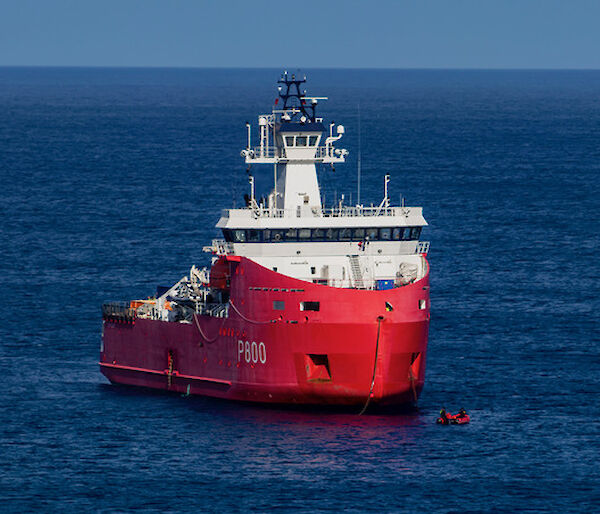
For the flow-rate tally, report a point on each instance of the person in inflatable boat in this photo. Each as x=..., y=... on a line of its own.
x=462, y=413
x=445, y=417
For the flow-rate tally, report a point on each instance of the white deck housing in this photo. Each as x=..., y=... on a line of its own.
x=293, y=233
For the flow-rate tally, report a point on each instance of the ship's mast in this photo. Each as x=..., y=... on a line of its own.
x=289, y=95
x=358, y=170
x=294, y=148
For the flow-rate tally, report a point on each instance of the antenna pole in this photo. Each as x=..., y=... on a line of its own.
x=358, y=170
x=275, y=165
x=385, y=186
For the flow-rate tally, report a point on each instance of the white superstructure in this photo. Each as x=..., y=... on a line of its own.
x=291, y=232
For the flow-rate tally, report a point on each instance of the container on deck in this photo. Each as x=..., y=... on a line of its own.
x=381, y=285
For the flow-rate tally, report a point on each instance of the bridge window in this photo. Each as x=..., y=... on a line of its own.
x=358, y=234
x=289, y=140
x=253, y=235
x=385, y=234
x=331, y=234
x=304, y=234
x=344, y=234
x=291, y=234
x=300, y=140
x=312, y=140
x=372, y=234
x=318, y=234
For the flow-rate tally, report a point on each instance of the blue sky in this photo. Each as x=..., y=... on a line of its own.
x=305, y=33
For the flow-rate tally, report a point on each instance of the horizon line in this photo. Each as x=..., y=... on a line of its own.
x=354, y=68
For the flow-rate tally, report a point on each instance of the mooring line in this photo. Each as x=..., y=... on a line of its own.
x=379, y=320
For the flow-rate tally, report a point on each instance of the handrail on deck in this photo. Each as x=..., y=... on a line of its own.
x=220, y=247
x=422, y=247
x=118, y=310
x=326, y=212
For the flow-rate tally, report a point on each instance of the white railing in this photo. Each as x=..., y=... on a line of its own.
x=268, y=152
x=328, y=212
x=219, y=247
x=327, y=153
x=367, y=283
x=265, y=212
x=422, y=247
x=360, y=211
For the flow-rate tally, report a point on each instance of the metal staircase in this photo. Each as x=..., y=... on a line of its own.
x=356, y=272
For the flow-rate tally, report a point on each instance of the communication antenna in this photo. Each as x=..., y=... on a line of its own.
x=385, y=190
x=252, y=190
x=358, y=169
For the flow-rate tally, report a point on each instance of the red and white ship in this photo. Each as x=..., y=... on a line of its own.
x=302, y=304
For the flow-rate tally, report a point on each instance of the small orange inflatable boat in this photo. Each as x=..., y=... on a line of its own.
x=462, y=418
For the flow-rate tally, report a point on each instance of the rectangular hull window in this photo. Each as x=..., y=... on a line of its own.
x=310, y=306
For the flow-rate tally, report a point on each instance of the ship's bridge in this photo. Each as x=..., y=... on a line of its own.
x=335, y=231
x=291, y=232
x=301, y=140
x=282, y=141
x=360, y=247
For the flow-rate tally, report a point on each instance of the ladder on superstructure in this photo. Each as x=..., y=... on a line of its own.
x=356, y=272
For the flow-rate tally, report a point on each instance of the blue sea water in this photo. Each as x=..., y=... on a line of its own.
x=111, y=183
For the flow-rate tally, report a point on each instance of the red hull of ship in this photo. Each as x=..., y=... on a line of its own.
x=353, y=348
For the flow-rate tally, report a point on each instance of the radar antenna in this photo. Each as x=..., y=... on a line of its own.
x=289, y=95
